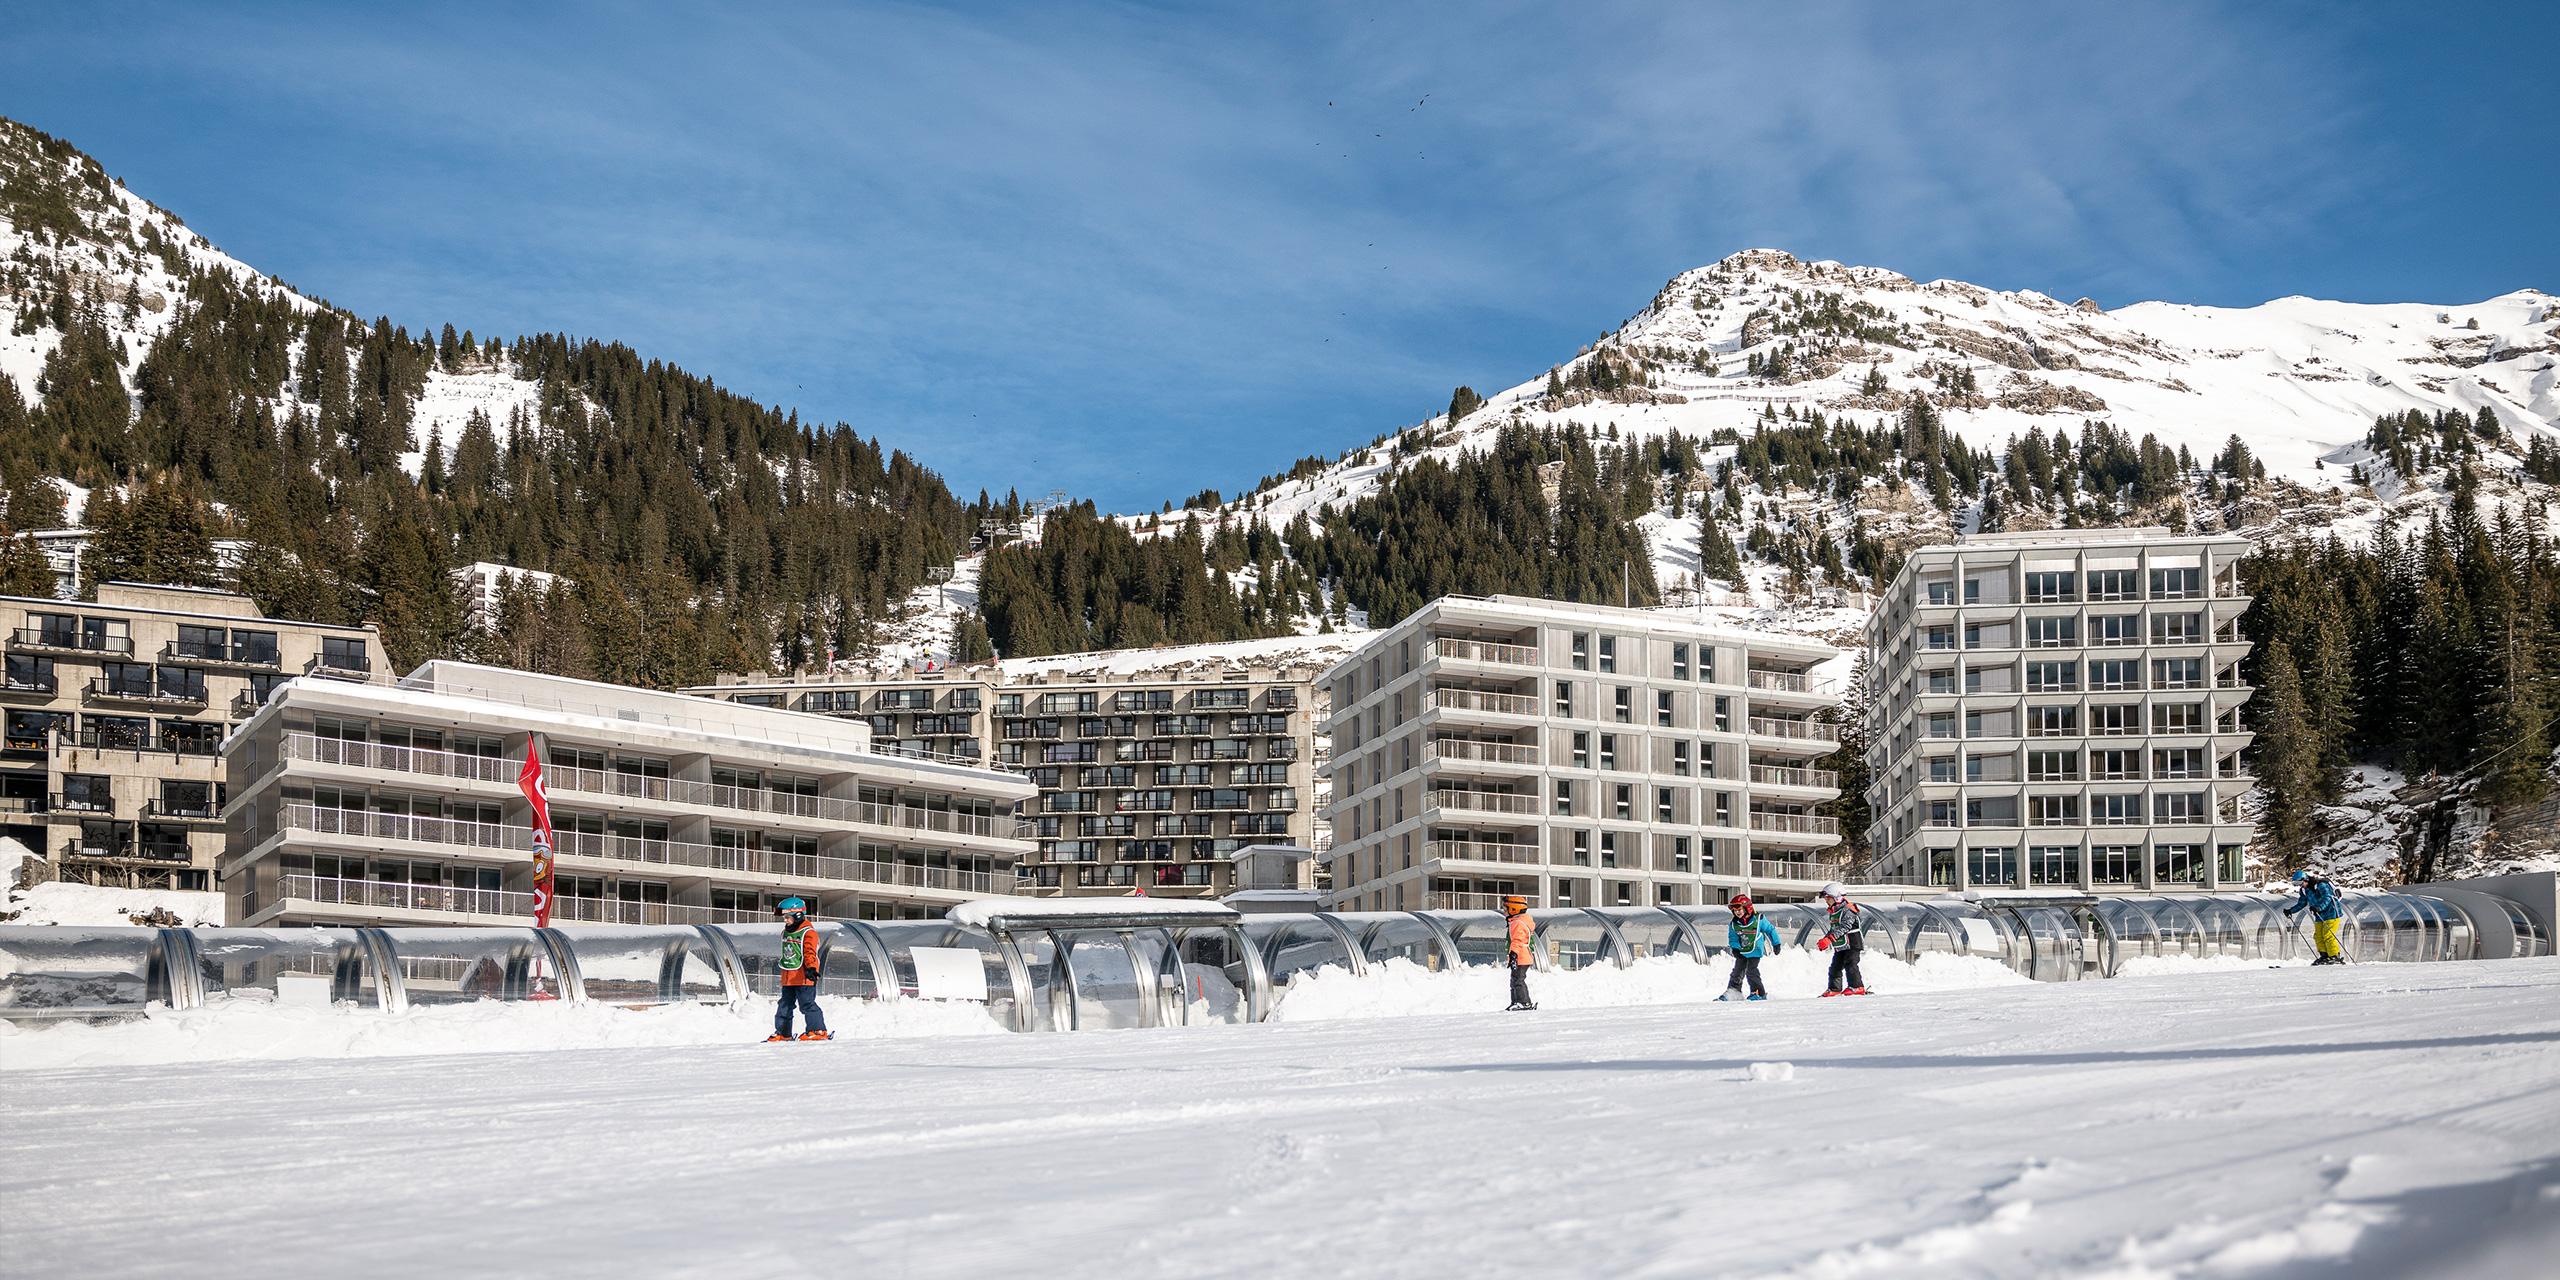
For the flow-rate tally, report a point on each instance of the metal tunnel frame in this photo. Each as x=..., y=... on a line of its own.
x=1144, y=968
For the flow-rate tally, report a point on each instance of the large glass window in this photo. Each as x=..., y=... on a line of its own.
x=2049, y=586
x=2052, y=677
x=2053, y=633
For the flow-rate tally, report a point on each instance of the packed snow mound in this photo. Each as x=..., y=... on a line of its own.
x=57, y=903
x=239, y=1029
x=1401, y=988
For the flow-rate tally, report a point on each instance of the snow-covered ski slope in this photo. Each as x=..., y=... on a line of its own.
x=2300, y=379
x=2383, y=1120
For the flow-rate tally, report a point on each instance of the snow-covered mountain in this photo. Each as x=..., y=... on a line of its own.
x=1762, y=332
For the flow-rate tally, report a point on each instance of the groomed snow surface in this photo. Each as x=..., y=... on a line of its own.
x=2374, y=1120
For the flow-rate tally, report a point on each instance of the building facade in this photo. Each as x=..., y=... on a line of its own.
x=112, y=718
x=2060, y=709
x=1576, y=755
x=1147, y=781
x=400, y=805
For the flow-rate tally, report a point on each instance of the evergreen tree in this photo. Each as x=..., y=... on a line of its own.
x=160, y=535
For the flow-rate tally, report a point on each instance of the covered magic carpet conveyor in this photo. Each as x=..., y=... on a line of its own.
x=1043, y=965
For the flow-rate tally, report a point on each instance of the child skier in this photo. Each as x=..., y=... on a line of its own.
x=800, y=969
x=1845, y=937
x=1749, y=937
x=2328, y=910
x=1523, y=949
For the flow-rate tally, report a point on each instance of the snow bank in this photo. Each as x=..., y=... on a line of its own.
x=1401, y=988
x=86, y=904
x=241, y=1030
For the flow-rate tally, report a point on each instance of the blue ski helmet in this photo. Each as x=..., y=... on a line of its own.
x=2300, y=876
x=792, y=906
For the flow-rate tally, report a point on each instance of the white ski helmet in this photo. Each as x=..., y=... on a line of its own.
x=1835, y=889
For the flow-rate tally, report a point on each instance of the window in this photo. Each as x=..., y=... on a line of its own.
x=2178, y=762
x=2176, y=584
x=1623, y=803
x=2115, y=674
x=2177, y=628
x=1941, y=636
x=2115, y=766
x=1564, y=697
x=2049, y=586
x=1996, y=865
x=1941, y=592
x=1608, y=751
x=30, y=673
x=2178, y=717
x=2053, y=811
x=2053, y=721
x=1581, y=751
x=2115, y=864
x=124, y=679
x=2053, y=633
x=2053, y=864
x=2112, y=629
x=1564, y=796
x=1624, y=707
x=2115, y=584
x=185, y=683
x=2116, y=810
x=1941, y=724
x=1662, y=708
x=2181, y=808
x=1942, y=768
x=2109, y=719
x=1991, y=811
x=342, y=653
x=1609, y=653
x=1941, y=813
x=1724, y=714
x=2052, y=677
x=201, y=644
x=2053, y=766
x=1679, y=662
x=1680, y=759
x=1662, y=804
x=1581, y=651
x=1941, y=680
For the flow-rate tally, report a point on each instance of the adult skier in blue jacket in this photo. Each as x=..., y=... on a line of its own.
x=1749, y=937
x=2328, y=911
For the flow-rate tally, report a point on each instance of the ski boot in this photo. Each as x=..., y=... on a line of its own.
x=1828, y=994
x=817, y=1035
x=1748, y=999
x=1855, y=991
x=774, y=1037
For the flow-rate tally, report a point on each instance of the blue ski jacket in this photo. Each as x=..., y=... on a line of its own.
x=2321, y=898
x=1759, y=938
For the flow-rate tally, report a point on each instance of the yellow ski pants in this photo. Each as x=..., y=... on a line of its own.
x=2324, y=935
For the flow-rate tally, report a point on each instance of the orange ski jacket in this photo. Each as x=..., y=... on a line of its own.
x=1523, y=940
x=800, y=957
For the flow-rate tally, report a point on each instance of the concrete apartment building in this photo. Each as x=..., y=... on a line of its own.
x=1149, y=780
x=1578, y=755
x=399, y=805
x=2060, y=709
x=112, y=718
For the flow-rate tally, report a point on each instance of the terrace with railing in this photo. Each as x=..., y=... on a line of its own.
x=1508, y=704
x=1509, y=655
x=1481, y=851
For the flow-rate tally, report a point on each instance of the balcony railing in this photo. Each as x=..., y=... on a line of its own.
x=1780, y=869
x=1509, y=704
x=342, y=667
x=219, y=656
x=640, y=849
x=1801, y=730
x=1786, y=682
x=1509, y=655
x=1487, y=752
x=103, y=690
x=1485, y=801
x=43, y=686
x=1481, y=851
x=1779, y=776
x=1463, y=901
x=70, y=642
x=1797, y=823
x=606, y=782
x=159, y=810
x=405, y=897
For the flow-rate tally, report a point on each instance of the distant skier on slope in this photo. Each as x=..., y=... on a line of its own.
x=800, y=969
x=1523, y=949
x=1749, y=936
x=2328, y=910
x=1845, y=937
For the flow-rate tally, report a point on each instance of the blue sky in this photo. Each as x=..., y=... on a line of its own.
x=1139, y=250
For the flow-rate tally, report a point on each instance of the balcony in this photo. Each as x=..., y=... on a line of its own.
x=406, y=897
x=83, y=804
x=1787, y=682
x=144, y=695
x=1460, y=749
x=1812, y=733
x=200, y=655
x=354, y=667
x=157, y=810
x=1482, y=851
x=1770, y=775
x=1485, y=651
x=1446, y=901
x=1484, y=802
x=36, y=688
x=37, y=640
x=1501, y=704
x=411, y=760
x=1802, y=824
x=1781, y=869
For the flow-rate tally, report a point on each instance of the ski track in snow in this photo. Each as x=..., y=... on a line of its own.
x=2381, y=1120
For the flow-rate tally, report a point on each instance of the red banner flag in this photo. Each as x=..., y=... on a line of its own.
x=530, y=779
